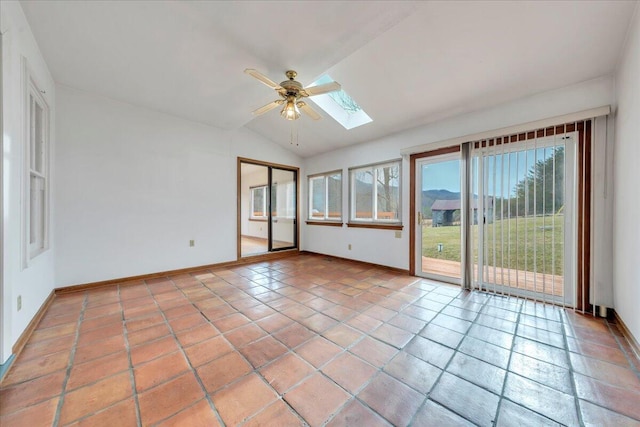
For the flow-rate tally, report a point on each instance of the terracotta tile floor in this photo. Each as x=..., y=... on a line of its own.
x=313, y=340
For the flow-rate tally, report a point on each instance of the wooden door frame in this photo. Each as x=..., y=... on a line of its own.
x=276, y=254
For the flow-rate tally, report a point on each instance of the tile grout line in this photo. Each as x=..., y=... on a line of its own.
x=238, y=310
x=132, y=378
x=353, y=315
x=381, y=368
x=571, y=370
x=294, y=272
x=507, y=371
x=318, y=369
x=627, y=356
x=365, y=334
x=444, y=369
x=233, y=346
x=289, y=349
x=56, y=420
x=184, y=354
x=515, y=335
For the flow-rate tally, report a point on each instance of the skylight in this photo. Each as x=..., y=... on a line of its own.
x=340, y=106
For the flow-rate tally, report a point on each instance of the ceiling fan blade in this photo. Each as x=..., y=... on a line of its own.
x=319, y=90
x=306, y=108
x=264, y=79
x=270, y=106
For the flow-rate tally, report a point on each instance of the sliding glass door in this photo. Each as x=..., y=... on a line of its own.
x=439, y=217
x=267, y=208
x=525, y=194
x=501, y=215
x=283, y=209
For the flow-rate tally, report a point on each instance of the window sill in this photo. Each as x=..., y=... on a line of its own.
x=258, y=219
x=325, y=223
x=375, y=225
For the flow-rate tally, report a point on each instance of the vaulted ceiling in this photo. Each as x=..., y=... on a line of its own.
x=405, y=63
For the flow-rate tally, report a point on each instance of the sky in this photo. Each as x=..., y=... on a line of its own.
x=445, y=175
x=442, y=176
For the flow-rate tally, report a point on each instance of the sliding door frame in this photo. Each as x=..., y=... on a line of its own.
x=413, y=218
x=275, y=253
x=435, y=159
x=583, y=195
x=569, y=252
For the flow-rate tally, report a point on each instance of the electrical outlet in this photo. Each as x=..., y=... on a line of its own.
x=398, y=234
x=19, y=302
x=349, y=246
x=192, y=243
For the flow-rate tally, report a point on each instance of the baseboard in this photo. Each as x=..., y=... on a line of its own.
x=372, y=264
x=26, y=334
x=635, y=346
x=136, y=279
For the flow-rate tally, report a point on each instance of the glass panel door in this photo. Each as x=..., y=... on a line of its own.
x=438, y=200
x=283, y=209
x=267, y=208
x=524, y=194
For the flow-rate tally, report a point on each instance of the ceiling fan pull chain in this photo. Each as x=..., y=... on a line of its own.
x=294, y=130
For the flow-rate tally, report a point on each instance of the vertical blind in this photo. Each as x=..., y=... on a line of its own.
x=529, y=214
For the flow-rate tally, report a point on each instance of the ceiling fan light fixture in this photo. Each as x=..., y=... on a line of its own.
x=290, y=110
x=291, y=92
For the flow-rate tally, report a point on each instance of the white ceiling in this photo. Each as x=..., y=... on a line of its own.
x=405, y=63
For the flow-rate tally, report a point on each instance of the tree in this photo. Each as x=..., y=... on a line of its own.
x=541, y=191
x=387, y=185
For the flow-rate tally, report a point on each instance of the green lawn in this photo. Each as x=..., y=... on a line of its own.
x=517, y=255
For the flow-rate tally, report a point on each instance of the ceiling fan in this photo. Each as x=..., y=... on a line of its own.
x=291, y=92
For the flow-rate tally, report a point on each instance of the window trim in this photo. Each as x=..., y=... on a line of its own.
x=375, y=223
x=31, y=88
x=325, y=223
x=325, y=220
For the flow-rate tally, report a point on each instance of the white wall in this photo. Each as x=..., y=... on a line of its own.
x=35, y=282
x=134, y=186
x=626, y=231
x=381, y=246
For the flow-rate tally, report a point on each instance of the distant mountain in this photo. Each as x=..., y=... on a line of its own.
x=440, y=194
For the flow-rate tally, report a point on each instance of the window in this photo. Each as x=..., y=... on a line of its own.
x=340, y=106
x=259, y=202
x=375, y=193
x=283, y=195
x=36, y=161
x=283, y=201
x=325, y=197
